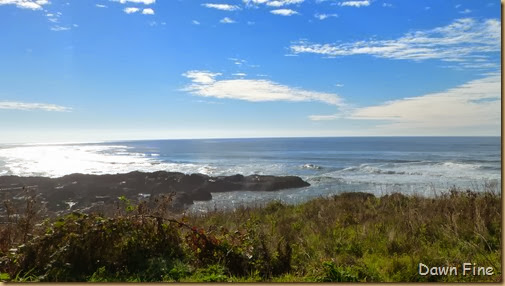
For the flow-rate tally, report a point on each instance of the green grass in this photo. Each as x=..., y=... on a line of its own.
x=346, y=238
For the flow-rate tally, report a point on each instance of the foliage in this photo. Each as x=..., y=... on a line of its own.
x=346, y=238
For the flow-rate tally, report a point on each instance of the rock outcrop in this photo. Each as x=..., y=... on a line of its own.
x=83, y=190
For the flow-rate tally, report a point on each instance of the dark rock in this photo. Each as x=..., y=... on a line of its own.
x=86, y=190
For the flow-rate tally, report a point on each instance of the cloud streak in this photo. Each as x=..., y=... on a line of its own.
x=284, y=12
x=14, y=105
x=325, y=16
x=26, y=4
x=356, y=4
x=148, y=11
x=205, y=84
x=463, y=41
x=223, y=7
x=226, y=20
x=475, y=104
x=131, y=10
x=272, y=3
x=145, y=2
x=280, y=3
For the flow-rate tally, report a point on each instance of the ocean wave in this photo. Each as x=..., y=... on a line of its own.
x=311, y=166
x=455, y=165
x=365, y=168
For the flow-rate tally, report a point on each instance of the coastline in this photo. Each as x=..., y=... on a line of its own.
x=84, y=192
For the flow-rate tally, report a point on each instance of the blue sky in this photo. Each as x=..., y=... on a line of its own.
x=145, y=69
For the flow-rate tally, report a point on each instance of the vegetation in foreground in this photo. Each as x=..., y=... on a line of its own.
x=348, y=237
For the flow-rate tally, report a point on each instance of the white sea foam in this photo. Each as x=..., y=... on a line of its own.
x=60, y=160
x=417, y=173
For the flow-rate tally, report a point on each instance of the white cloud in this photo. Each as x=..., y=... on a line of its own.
x=272, y=3
x=130, y=10
x=201, y=77
x=387, y=4
x=355, y=3
x=148, y=11
x=280, y=3
x=325, y=16
x=205, y=84
x=224, y=7
x=284, y=12
x=466, y=11
x=26, y=4
x=145, y=2
x=237, y=61
x=475, y=104
x=324, y=117
x=254, y=2
x=195, y=22
x=14, y=105
x=101, y=6
x=60, y=28
x=339, y=84
x=226, y=20
x=240, y=74
x=462, y=41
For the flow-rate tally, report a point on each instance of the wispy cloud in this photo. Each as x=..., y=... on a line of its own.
x=473, y=104
x=145, y=2
x=201, y=77
x=280, y=3
x=224, y=7
x=148, y=11
x=131, y=10
x=387, y=4
x=272, y=3
x=325, y=117
x=464, y=41
x=325, y=16
x=101, y=6
x=284, y=12
x=195, y=22
x=205, y=84
x=466, y=11
x=355, y=3
x=237, y=61
x=14, y=105
x=226, y=20
x=26, y=4
x=58, y=28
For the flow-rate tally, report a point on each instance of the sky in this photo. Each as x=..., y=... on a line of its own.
x=94, y=70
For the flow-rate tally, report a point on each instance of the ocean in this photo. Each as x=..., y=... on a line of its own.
x=379, y=165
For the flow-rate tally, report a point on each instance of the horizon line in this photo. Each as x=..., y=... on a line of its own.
x=235, y=138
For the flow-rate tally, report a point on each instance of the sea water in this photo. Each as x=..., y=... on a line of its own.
x=379, y=165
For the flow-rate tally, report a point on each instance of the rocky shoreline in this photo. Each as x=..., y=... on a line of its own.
x=87, y=192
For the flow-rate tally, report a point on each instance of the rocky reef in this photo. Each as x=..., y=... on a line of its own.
x=81, y=191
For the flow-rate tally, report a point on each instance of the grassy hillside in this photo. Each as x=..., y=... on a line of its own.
x=348, y=237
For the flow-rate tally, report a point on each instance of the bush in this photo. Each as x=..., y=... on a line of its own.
x=74, y=247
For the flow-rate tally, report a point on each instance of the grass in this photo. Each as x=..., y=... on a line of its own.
x=346, y=238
